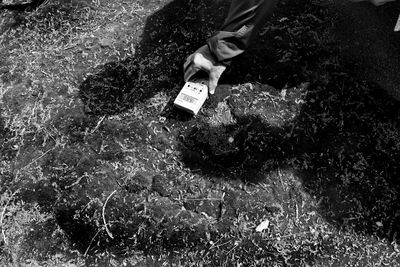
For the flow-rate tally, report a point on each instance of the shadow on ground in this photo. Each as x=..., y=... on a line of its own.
x=368, y=42
x=168, y=37
x=343, y=144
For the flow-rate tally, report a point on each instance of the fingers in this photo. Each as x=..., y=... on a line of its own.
x=194, y=63
x=190, y=71
x=202, y=60
x=188, y=61
x=212, y=84
x=214, y=76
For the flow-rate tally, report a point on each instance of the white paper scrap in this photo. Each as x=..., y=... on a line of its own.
x=262, y=226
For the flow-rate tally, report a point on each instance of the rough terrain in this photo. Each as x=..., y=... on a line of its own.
x=294, y=161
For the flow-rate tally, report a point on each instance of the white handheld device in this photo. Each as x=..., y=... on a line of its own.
x=192, y=96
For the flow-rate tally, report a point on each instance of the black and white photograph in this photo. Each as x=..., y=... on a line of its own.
x=199, y=133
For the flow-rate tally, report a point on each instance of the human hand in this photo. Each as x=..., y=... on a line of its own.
x=202, y=59
x=375, y=2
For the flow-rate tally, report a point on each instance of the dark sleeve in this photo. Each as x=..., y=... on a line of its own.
x=244, y=20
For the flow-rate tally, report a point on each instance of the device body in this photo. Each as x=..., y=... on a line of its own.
x=192, y=96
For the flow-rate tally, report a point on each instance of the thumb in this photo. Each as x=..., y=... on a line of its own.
x=215, y=74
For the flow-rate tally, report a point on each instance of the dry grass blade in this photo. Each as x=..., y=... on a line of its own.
x=3, y=214
x=104, y=217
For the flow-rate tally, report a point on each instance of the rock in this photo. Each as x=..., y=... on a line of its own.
x=204, y=205
x=138, y=183
x=274, y=208
x=106, y=42
x=163, y=207
x=161, y=185
x=221, y=116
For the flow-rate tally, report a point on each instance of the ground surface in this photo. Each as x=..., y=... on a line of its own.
x=294, y=162
x=366, y=36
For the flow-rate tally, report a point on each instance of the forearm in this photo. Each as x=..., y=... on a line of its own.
x=243, y=22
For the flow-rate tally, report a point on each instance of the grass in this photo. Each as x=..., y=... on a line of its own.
x=98, y=169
